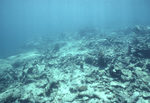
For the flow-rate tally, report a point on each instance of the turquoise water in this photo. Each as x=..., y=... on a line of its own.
x=74, y=51
x=22, y=19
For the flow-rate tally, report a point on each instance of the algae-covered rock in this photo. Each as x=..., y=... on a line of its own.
x=82, y=88
x=109, y=67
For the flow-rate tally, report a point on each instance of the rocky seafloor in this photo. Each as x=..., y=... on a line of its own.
x=87, y=66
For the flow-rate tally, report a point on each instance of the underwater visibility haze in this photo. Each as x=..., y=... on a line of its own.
x=22, y=19
x=74, y=51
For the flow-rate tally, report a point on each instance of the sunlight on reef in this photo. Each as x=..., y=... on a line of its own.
x=112, y=67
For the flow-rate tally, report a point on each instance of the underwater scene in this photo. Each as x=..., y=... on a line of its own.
x=74, y=51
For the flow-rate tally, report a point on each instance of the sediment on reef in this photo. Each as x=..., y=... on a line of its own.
x=87, y=66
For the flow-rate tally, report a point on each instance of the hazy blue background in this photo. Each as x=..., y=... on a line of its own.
x=21, y=19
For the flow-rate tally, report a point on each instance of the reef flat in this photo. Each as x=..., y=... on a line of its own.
x=86, y=66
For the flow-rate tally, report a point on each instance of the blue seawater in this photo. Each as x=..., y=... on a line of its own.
x=21, y=20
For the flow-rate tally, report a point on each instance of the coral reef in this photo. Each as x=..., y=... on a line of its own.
x=108, y=67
